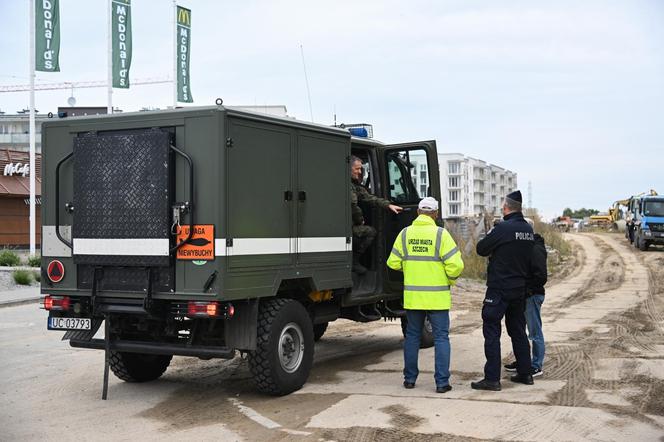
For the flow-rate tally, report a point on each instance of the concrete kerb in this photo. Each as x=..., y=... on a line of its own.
x=18, y=296
x=16, y=302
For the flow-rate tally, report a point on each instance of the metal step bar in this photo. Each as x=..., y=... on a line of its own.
x=156, y=348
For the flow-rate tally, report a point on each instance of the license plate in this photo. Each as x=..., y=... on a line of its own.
x=69, y=324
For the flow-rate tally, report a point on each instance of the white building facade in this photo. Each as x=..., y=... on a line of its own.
x=472, y=187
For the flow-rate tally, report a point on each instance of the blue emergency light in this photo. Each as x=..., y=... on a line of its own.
x=358, y=132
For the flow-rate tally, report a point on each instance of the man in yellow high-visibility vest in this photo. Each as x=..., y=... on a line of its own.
x=431, y=263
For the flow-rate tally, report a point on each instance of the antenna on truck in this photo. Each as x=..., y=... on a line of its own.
x=306, y=81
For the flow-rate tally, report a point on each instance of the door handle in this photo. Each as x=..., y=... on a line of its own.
x=302, y=195
x=288, y=195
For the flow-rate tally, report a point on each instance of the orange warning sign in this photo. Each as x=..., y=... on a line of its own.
x=201, y=244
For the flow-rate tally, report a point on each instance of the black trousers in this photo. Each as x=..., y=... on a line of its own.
x=511, y=304
x=363, y=236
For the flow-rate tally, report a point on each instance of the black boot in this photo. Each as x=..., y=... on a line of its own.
x=485, y=385
x=522, y=379
x=357, y=267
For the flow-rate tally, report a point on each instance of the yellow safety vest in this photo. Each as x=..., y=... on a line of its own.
x=431, y=263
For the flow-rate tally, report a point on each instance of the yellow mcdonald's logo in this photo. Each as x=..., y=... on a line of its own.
x=184, y=16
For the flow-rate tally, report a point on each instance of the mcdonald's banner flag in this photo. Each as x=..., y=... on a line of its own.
x=183, y=54
x=47, y=35
x=121, y=42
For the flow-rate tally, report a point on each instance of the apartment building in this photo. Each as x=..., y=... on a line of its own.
x=470, y=186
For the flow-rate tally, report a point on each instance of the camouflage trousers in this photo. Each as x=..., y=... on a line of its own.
x=363, y=236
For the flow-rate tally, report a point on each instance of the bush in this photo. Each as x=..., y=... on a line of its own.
x=474, y=265
x=34, y=261
x=9, y=259
x=552, y=237
x=22, y=277
x=37, y=276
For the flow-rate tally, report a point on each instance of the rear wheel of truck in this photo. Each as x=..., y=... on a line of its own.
x=284, y=347
x=319, y=330
x=643, y=245
x=427, y=332
x=138, y=367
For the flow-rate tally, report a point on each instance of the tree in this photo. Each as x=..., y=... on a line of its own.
x=579, y=213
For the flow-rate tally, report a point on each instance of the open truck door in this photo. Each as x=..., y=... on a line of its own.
x=409, y=173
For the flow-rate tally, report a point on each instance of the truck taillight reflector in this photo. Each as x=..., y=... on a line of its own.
x=203, y=309
x=56, y=302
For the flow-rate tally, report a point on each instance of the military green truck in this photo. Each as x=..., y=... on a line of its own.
x=211, y=232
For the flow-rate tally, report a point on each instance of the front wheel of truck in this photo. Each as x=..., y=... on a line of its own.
x=138, y=367
x=284, y=347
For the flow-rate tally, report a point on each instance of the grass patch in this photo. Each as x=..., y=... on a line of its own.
x=34, y=261
x=9, y=259
x=22, y=277
x=37, y=276
x=474, y=265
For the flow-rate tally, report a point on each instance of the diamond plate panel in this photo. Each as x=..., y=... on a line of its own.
x=121, y=190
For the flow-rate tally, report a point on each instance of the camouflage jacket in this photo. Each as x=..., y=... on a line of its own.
x=359, y=193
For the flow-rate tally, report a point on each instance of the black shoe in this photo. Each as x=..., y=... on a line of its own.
x=511, y=366
x=357, y=267
x=408, y=385
x=485, y=385
x=537, y=372
x=443, y=389
x=523, y=379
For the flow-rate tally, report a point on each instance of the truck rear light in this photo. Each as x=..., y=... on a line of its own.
x=212, y=309
x=56, y=303
x=202, y=309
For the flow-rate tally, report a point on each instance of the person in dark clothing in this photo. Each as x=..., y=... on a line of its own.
x=509, y=247
x=534, y=300
x=363, y=235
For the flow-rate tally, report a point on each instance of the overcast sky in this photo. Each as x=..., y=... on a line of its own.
x=568, y=94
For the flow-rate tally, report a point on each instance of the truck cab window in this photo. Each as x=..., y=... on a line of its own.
x=408, y=175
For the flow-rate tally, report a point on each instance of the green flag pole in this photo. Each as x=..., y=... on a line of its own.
x=33, y=169
x=109, y=44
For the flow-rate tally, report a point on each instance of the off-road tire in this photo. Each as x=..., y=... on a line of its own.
x=643, y=245
x=319, y=330
x=138, y=367
x=427, y=334
x=275, y=316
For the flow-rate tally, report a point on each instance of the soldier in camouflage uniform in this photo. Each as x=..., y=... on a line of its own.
x=363, y=235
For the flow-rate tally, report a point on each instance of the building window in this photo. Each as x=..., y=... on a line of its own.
x=454, y=182
x=423, y=176
x=454, y=195
x=454, y=209
x=423, y=167
x=454, y=167
x=423, y=189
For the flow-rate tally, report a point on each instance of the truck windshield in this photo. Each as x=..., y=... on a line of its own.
x=654, y=208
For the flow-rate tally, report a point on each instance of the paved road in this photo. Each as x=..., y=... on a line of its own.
x=604, y=376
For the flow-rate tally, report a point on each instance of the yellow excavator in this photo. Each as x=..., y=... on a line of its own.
x=614, y=219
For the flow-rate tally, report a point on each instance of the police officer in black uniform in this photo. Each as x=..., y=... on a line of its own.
x=509, y=248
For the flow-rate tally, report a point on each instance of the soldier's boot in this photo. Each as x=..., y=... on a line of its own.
x=357, y=267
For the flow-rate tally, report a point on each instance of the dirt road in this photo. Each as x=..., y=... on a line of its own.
x=603, y=375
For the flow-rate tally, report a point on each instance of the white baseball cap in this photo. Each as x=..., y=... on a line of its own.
x=428, y=204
